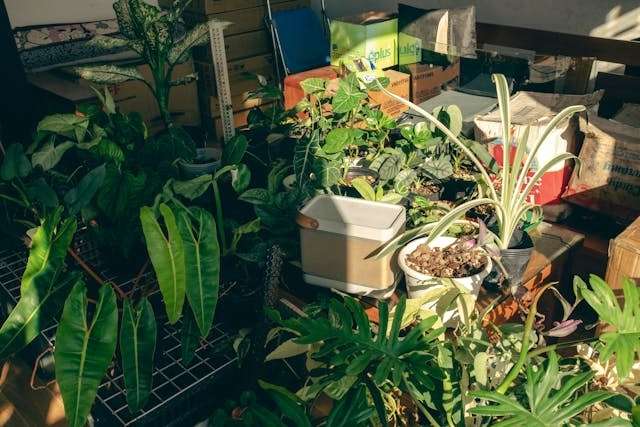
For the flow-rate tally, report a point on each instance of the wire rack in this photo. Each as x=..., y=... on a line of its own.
x=174, y=383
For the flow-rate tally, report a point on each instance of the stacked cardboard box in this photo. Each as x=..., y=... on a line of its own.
x=248, y=47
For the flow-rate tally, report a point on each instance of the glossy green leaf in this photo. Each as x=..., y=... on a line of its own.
x=50, y=154
x=304, y=155
x=234, y=150
x=313, y=85
x=41, y=192
x=193, y=188
x=49, y=246
x=288, y=404
x=166, y=251
x=121, y=193
x=623, y=337
x=440, y=168
x=39, y=305
x=352, y=410
x=138, y=333
x=14, y=164
x=84, y=349
x=348, y=96
x=202, y=265
x=69, y=125
x=390, y=168
x=337, y=139
x=190, y=336
x=80, y=196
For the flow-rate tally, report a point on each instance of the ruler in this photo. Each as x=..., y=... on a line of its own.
x=219, y=55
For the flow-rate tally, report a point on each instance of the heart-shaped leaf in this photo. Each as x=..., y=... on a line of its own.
x=313, y=85
x=337, y=139
x=240, y=178
x=80, y=196
x=15, y=163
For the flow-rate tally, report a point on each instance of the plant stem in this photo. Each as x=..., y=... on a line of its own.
x=93, y=274
x=424, y=410
x=559, y=345
x=219, y=217
x=526, y=337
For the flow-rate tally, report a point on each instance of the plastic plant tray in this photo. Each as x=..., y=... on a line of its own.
x=175, y=385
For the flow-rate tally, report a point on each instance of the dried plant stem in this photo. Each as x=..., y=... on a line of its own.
x=93, y=274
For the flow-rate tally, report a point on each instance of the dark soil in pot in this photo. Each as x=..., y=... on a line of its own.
x=429, y=190
x=456, y=260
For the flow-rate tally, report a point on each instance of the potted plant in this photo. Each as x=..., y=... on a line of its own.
x=510, y=198
x=445, y=265
x=159, y=38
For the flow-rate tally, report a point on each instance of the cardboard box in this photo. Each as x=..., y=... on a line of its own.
x=398, y=85
x=246, y=20
x=427, y=80
x=239, y=103
x=534, y=111
x=131, y=96
x=372, y=35
x=209, y=7
x=239, y=46
x=239, y=74
x=624, y=257
x=293, y=92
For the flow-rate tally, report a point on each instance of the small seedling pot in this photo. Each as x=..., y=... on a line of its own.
x=207, y=161
x=515, y=260
x=419, y=285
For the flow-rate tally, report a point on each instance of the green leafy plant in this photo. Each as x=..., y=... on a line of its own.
x=367, y=192
x=157, y=37
x=622, y=338
x=550, y=396
x=354, y=362
x=510, y=200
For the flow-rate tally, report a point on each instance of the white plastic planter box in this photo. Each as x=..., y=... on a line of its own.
x=419, y=284
x=337, y=236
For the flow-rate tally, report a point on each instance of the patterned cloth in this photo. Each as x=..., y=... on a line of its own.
x=35, y=37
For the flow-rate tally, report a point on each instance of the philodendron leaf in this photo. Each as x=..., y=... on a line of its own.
x=38, y=307
x=109, y=74
x=42, y=291
x=255, y=196
x=137, y=346
x=69, y=125
x=84, y=349
x=303, y=156
x=166, y=252
x=42, y=192
x=15, y=163
x=80, y=196
x=50, y=154
x=234, y=150
x=202, y=265
x=313, y=85
x=190, y=336
x=49, y=246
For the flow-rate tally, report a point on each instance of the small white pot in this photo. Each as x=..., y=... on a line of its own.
x=419, y=284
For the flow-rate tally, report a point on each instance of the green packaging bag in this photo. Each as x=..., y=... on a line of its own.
x=372, y=35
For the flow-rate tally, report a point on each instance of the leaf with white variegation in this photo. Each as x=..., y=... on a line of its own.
x=109, y=74
x=84, y=349
x=198, y=36
x=137, y=347
x=50, y=154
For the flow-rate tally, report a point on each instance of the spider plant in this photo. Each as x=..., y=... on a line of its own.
x=510, y=199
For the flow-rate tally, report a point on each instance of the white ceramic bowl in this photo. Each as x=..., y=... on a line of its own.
x=419, y=284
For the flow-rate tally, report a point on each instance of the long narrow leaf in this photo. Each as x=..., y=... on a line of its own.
x=202, y=265
x=167, y=257
x=84, y=350
x=502, y=91
x=137, y=347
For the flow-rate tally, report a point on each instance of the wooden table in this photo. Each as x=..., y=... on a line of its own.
x=555, y=248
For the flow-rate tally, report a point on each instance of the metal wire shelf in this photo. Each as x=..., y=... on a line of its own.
x=174, y=384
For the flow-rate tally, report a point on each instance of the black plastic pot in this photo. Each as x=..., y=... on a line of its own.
x=357, y=172
x=456, y=189
x=515, y=259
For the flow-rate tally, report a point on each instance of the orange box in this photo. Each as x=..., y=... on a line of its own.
x=427, y=80
x=293, y=92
